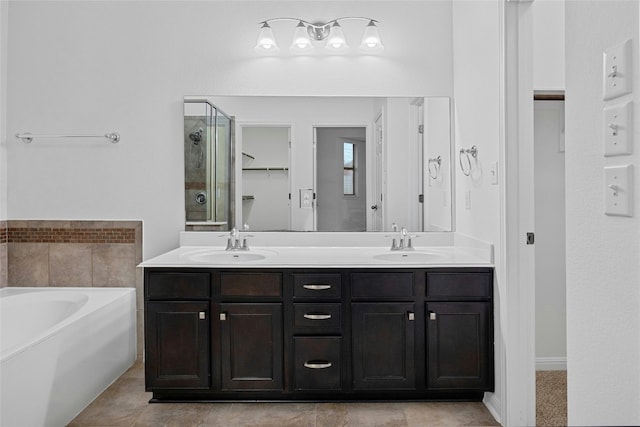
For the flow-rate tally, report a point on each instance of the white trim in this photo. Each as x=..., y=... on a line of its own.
x=551, y=363
x=494, y=406
x=516, y=258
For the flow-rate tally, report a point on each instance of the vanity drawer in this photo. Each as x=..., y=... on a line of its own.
x=167, y=285
x=251, y=284
x=378, y=285
x=325, y=318
x=327, y=286
x=317, y=363
x=459, y=285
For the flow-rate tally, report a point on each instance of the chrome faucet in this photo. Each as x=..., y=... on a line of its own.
x=403, y=242
x=236, y=241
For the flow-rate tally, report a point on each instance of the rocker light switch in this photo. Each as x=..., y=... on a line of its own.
x=618, y=191
x=617, y=70
x=617, y=129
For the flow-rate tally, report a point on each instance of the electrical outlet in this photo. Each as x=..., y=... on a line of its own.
x=493, y=172
x=617, y=129
x=617, y=72
x=306, y=198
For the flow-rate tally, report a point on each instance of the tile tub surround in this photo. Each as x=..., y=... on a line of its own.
x=75, y=253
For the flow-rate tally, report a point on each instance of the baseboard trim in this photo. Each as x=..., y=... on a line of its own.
x=494, y=405
x=551, y=363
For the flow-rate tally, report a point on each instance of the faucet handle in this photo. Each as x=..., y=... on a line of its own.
x=394, y=227
x=245, y=245
x=409, y=243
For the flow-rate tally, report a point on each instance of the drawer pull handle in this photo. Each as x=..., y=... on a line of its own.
x=316, y=364
x=432, y=315
x=317, y=287
x=412, y=316
x=317, y=316
x=223, y=316
x=202, y=315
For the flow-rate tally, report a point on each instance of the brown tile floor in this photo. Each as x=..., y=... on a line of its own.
x=125, y=404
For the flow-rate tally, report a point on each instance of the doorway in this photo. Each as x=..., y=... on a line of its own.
x=550, y=261
x=265, y=180
x=341, y=178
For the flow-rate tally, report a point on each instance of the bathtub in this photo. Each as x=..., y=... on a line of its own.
x=60, y=348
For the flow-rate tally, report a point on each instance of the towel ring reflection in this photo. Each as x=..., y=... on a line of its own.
x=434, y=167
x=468, y=154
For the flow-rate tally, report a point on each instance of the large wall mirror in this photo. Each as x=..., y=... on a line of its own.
x=298, y=163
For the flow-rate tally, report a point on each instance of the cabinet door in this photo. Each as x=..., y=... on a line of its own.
x=177, y=345
x=252, y=346
x=383, y=346
x=458, y=346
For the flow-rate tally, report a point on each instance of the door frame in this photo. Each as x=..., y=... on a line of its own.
x=239, y=125
x=515, y=266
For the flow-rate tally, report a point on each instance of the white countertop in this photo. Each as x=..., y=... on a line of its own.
x=320, y=257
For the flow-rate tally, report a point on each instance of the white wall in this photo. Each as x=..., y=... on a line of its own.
x=603, y=252
x=4, y=31
x=125, y=66
x=476, y=105
x=550, y=273
x=437, y=143
x=548, y=45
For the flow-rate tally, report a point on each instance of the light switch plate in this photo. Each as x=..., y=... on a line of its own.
x=617, y=129
x=618, y=192
x=617, y=72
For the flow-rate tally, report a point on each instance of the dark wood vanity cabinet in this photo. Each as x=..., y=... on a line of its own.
x=383, y=346
x=177, y=351
x=299, y=334
x=459, y=318
x=251, y=338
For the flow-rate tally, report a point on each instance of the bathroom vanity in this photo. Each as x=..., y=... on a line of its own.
x=272, y=328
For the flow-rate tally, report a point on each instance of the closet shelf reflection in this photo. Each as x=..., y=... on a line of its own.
x=267, y=169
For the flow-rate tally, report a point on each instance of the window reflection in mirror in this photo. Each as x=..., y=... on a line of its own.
x=282, y=189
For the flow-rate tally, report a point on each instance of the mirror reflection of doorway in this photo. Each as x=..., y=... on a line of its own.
x=265, y=177
x=341, y=178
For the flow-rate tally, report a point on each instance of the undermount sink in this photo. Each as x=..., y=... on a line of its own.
x=224, y=257
x=408, y=257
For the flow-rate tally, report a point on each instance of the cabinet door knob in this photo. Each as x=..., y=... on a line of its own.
x=317, y=364
x=317, y=316
x=202, y=315
x=317, y=287
x=432, y=315
x=412, y=316
x=223, y=316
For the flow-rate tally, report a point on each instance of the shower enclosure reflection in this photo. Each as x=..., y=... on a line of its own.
x=208, y=166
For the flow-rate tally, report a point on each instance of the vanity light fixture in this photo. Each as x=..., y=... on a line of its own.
x=307, y=36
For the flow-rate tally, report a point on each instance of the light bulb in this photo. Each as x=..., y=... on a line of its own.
x=371, y=41
x=336, y=41
x=266, y=41
x=301, y=42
